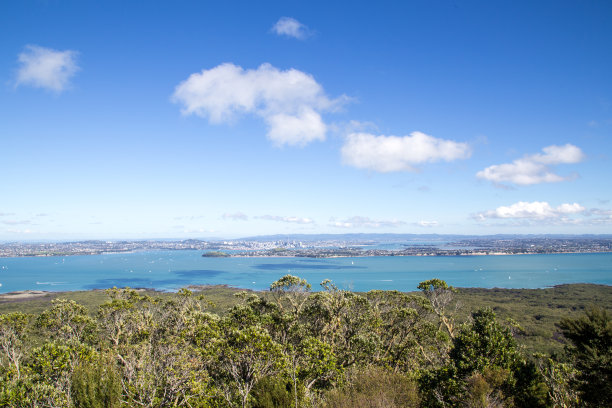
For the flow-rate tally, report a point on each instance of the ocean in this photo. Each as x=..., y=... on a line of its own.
x=172, y=270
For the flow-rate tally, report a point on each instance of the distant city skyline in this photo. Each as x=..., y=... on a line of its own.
x=187, y=120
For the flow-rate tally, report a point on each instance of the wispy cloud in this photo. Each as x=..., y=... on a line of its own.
x=600, y=216
x=290, y=102
x=198, y=230
x=295, y=220
x=534, y=168
x=15, y=231
x=46, y=68
x=600, y=211
x=290, y=27
x=399, y=153
x=364, y=222
x=427, y=224
x=189, y=217
x=16, y=222
x=235, y=216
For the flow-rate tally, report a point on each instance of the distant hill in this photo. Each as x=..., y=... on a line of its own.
x=408, y=237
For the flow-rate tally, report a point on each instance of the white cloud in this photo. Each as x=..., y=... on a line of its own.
x=360, y=221
x=427, y=224
x=235, y=216
x=295, y=220
x=291, y=102
x=298, y=129
x=46, y=68
x=394, y=153
x=535, y=168
x=290, y=27
x=533, y=210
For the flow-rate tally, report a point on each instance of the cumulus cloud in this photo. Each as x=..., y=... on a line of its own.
x=290, y=102
x=399, y=153
x=535, y=168
x=526, y=213
x=290, y=27
x=235, y=216
x=533, y=210
x=359, y=221
x=295, y=220
x=46, y=68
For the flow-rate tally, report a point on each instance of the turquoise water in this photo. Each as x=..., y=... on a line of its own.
x=171, y=270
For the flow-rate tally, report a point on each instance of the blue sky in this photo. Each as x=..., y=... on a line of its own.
x=192, y=119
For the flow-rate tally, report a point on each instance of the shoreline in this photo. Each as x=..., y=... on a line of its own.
x=28, y=294
x=242, y=255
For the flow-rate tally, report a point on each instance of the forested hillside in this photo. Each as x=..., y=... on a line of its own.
x=290, y=347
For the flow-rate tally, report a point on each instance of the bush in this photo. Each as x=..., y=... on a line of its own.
x=96, y=384
x=374, y=387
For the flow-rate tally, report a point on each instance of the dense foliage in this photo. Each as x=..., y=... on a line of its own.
x=291, y=347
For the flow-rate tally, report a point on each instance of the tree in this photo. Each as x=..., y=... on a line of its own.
x=559, y=378
x=117, y=317
x=440, y=295
x=315, y=365
x=67, y=319
x=12, y=334
x=591, y=352
x=245, y=357
x=483, y=368
x=482, y=344
x=52, y=366
x=290, y=291
x=407, y=338
x=343, y=320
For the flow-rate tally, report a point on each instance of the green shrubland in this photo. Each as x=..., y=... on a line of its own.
x=291, y=347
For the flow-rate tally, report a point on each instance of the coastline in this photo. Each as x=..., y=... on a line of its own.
x=28, y=294
x=298, y=255
x=328, y=246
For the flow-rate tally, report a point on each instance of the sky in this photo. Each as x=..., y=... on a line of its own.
x=192, y=119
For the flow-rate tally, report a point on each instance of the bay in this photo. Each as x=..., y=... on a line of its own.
x=171, y=270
